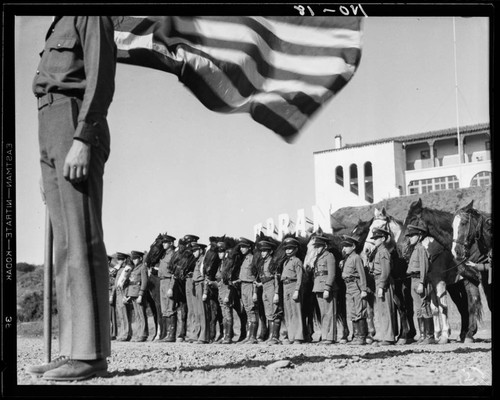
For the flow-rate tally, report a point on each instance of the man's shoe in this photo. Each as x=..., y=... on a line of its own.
x=39, y=370
x=326, y=342
x=180, y=339
x=77, y=370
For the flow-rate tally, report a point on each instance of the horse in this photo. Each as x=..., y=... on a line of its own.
x=402, y=283
x=444, y=274
x=211, y=263
x=472, y=241
x=151, y=259
x=229, y=272
x=257, y=262
x=333, y=246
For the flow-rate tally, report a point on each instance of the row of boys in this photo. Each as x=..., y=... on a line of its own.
x=190, y=309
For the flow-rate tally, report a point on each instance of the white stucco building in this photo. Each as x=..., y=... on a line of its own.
x=365, y=173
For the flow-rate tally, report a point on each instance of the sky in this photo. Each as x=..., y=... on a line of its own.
x=180, y=168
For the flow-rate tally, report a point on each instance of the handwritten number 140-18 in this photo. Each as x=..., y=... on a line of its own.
x=343, y=10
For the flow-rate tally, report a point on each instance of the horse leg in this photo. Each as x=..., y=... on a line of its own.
x=403, y=328
x=486, y=287
x=342, y=315
x=474, y=308
x=442, y=305
x=458, y=295
x=369, y=318
x=151, y=303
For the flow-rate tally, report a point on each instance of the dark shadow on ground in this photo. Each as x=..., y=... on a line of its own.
x=299, y=360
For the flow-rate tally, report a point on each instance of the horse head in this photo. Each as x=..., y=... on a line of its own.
x=211, y=260
x=156, y=252
x=231, y=263
x=439, y=224
x=384, y=221
x=470, y=227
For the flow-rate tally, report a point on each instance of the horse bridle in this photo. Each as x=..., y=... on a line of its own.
x=474, y=236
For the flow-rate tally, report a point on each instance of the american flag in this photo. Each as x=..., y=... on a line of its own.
x=280, y=70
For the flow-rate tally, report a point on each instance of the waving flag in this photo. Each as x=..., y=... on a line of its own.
x=280, y=70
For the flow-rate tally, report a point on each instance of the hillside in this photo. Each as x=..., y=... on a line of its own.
x=344, y=219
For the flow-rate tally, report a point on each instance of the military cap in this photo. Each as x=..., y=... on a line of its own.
x=320, y=240
x=264, y=245
x=380, y=232
x=246, y=242
x=190, y=238
x=290, y=243
x=121, y=256
x=415, y=230
x=197, y=246
x=349, y=241
x=167, y=238
x=136, y=254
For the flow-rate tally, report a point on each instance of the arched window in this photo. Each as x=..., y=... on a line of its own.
x=339, y=175
x=353, y=169
x=368, y=182
x=482, y=178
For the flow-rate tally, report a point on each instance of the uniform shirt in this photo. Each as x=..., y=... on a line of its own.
x=382, y=267
x=353, y=268
x=139, y=274
x=246, y=274
x=292, y=269
x=79, y=59
x=265, y=273
x=198, y=275
x=324, y=272
x=164, y=264
x=419, y=262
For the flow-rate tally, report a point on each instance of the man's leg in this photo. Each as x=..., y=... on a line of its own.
x=80, y=266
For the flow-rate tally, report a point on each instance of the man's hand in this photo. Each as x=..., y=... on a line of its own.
x=295, y=296
x=363, y=294
x=326, y=294
x=76, y=164
x=276, y=298
x=139, y=300
x=380, y=293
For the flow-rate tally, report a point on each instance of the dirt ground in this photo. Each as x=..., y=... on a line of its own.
x=154, y=363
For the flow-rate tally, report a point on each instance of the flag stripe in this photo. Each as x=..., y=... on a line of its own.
x=244, y=29
x=279, y=70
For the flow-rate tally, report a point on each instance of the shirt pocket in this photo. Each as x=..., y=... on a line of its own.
x=62, y=53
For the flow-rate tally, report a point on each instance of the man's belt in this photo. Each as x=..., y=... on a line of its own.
x=189, y=275
x=49, y=98
x=350, y=279
x=414, y=275
x=165, y=277
x=134, y=282
x=266, y=279
x=320, y=273
x=287, y=281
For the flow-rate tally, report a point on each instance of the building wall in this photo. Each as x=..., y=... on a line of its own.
x=464, y=172
x=394, y=167
x=331, y=196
